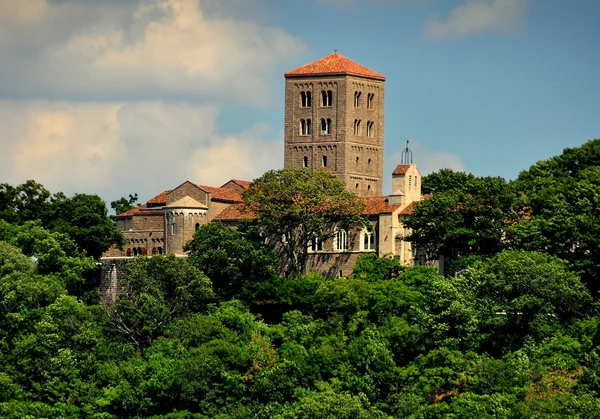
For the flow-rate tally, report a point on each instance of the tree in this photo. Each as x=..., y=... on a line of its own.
x=447, y=180
x=297, y=206
x=123, y=204
x=231, y=260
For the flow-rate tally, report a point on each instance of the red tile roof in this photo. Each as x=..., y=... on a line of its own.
x=159, y=199
x=411, y=207
x=141, y=210
x=221, y=194
x=379, y=205
x=401, y=169
x=334, y=64
x=234, y=212
x=244, y=184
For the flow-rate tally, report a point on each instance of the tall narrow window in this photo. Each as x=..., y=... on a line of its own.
x=305, y=127
x=325, y=126
x=357, y=127
x=416, y=177
x=174, y=228
x=315, y=245
x=154, y=251
x=324, y=161
x=357, y=160
x=370, y=132
x=357, y=96
x=370, y=100
x=326, y=98
x=341, y=240
x=305, y=99
x=305, y=161
x=368, y=239
x=129, y=252
x=197, y=226
x=160, y=250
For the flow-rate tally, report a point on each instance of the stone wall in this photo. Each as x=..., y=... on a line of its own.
x=113, y=271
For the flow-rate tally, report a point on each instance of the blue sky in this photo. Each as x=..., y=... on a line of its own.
x=114, y=97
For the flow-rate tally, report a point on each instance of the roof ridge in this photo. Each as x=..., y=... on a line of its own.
x=335, y=63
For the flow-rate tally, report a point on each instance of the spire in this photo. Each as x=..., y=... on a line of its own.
x=407, y=155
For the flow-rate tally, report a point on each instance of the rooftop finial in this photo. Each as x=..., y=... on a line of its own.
x=335, y=51
x=407, y=156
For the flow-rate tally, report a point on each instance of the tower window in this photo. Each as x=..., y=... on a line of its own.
x=369, y=188
x=370, y=129
x=357, y=159
x=305, y=127
x=305, y=161
x=357, y=186
x=357, y=127
x=326, y=126
x=369, y=162
x=197, y=227
x=306, y=99
x=326, y=98
x=370, y=101
x=324, y=161
x=174, y=228
x=357, y=96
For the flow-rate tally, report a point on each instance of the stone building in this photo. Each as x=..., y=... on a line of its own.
x=334, y=119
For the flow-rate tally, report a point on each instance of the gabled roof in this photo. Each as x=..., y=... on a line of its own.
x=334, y=64
x=401, y=169
x=161, y=198
x=376, y=205
x=221, y=194
x=186, y=202
x=244, y=184
x=235, y=212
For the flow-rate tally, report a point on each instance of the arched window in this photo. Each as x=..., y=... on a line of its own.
x=160, y=250
x=357, y=96
x=174, y=228
x=325, y=126
x=197, y=227
x=144, y=251
x=305, y=161
x=305, y=99
x=135, y=253
x=369, y=188
x=357, y=127
x=324, y=161
x=315, y=244
x=357, y=159
x=368, y=238
x=357, y=186
x=326, y=98
x=370, y=98
x=369, y=162
x=341, y=241
x=139, y=251
x=154, y=251
x=129, y=252
x=370, y=132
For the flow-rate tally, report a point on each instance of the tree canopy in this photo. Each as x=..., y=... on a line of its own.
x=296, y=206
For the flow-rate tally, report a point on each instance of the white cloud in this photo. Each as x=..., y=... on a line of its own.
x=114, y=149
x=479, y=16
x=149, y=49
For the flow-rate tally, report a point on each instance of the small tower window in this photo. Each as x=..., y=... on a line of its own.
x=357, y=96
x=305, y=161
x=174, y=228
x=370, y=129
x=370, y=98
x=357, y=127
x=197, y=227
x=325, y=126
x=326, y=98
x=369, y=162
x=324, y=161
x=357, y=159
x=357, y=186
x=306, y=99
x=305, y=127
x=369, y=188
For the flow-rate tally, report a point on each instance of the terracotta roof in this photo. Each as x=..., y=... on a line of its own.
x=221, y=194
x=244, y=184
x=141, y=210
x=159, y=199
x=234, y=213
x=334, y=64
x=411, y=207
x=186, y=202
x=379, y=205
x=401, y=169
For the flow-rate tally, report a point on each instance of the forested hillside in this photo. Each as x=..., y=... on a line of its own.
x=512, y=330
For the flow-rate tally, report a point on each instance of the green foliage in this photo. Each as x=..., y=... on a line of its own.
x=123, y=204
x=295, y=206
x=233, y=262
x=371, y=268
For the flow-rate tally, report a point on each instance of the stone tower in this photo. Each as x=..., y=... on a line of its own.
x=334, y=110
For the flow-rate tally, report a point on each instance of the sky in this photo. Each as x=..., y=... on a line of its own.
x=112, y=97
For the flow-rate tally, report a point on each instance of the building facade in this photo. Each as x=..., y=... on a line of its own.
x=334, y=119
